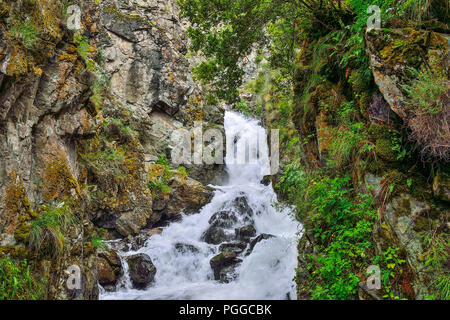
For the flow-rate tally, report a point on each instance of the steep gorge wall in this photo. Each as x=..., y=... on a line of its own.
x=371, y=133
x=84, y=116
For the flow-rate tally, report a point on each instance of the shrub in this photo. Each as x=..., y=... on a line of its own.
x=342, y=225
x=159, y=175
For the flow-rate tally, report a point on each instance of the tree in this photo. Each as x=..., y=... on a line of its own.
x=226, y=31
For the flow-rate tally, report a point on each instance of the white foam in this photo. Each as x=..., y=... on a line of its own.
x=267, y=273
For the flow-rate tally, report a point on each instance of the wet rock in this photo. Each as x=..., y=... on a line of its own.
x=186, y=248
x=245, y=233
x=261, y=237
x=223, y=266
x=242, y=206
x=142, y=270
x=154, y=231
x=106, y=275
x=109, y=269
x=266, y=180
x=237, y=247
x=215, y=235
x=223, y=219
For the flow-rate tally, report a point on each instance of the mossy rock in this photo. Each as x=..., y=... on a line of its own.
x=383, y=148
x=22, y=233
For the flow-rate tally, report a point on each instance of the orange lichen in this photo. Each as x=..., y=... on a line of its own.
x=58, y=179
x=17, y=205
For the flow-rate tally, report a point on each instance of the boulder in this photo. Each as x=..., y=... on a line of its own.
x=223, y=266
x=242, y=206
x=142, y=271
x=245, y=233
x=109, y=269
x=237, y=247
x=223, y=219
x=187, y=195
x=215, y=235
x=106, y=276
x=261, y=237
x=186, y=248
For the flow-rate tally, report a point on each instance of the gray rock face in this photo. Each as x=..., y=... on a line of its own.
x=144, y=45
x=401, y=214
x=48, y=120
x=142, y=271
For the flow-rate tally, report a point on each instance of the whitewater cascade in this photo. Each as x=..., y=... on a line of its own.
x=266, y=273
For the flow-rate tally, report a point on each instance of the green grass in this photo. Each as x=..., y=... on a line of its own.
x=47, y=231
x=17, y=282
x=26, y=31
x=426, y=91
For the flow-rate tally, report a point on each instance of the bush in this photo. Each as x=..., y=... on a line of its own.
x=342, y=224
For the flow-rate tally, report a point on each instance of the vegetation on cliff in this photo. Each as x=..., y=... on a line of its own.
x=363, y=118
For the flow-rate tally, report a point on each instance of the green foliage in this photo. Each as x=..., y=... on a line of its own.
x=97, y=241
x=158, y=180
x=26, y=31
x=246, y=110
x=17, y=282
x=442, y=285
x=438, y=250
x=226, y=32
x=342, y=225
x=345, y=141
x=391, y=264
x=101, y=82
x=428, y=91
x=47, y=231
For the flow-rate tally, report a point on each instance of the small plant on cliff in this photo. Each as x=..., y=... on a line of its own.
x=97, y=241
x=158, y=177
x=17, y=282
x=25, y=31
x=47, y=231
x=429, y=94
x=429, y=91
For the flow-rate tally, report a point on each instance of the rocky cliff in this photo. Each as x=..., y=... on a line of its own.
x=369, y=138
x=86, y=116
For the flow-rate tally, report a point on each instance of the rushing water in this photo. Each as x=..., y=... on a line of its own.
x=267, y=273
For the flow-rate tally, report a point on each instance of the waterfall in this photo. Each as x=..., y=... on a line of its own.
x=266, y=273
